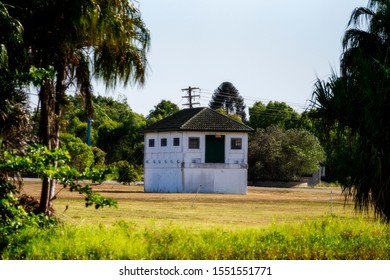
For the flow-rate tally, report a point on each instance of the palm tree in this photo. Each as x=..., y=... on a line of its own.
x=14, y=114
x=357, y=103
x=80, y=40
x=227, y=97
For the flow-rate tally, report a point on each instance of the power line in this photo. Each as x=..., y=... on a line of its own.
x=269, y=111
x=299, y=106
x=250, y=101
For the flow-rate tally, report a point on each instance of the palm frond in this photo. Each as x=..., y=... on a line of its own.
x=360, y=15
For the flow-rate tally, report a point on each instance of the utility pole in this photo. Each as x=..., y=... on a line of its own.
x=190, y=96
x=89, y=131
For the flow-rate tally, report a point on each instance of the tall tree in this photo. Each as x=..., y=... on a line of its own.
x=14, y=114
x=283, y=155
x=274, y=113
x=62, y=36
x=162, y=110
x=227, y=97
x=356, y=104
x=11, y=41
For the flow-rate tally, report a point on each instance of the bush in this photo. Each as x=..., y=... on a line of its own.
x=81, y=154
x=126, y=172
x=283, y=155
x=14, y=216
x=99, y=157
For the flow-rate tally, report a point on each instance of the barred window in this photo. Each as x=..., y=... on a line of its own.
x=236, y=144
x=193, y=143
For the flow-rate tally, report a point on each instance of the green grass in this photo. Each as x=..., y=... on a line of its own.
x=224, y=211
x=326, y=238
x=264, y=224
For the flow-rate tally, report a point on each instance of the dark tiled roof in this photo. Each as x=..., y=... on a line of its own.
x=198, y=119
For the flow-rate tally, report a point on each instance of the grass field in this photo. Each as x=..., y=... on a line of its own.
x=267, y=223
x=260, y=207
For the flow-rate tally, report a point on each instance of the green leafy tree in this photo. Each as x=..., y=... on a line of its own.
x=16, y=215
x=108, y=138
x=355, y=105
x=61, y=36
x=303, y=152
x=99, y=157
x=115, y=128
x=81, y=155
x=278, y=154
x=161, y=111
x=256, y=115
x=274, y=113
x=265, y=154
x=126, y=173
x=18, y=212
x=122, y=141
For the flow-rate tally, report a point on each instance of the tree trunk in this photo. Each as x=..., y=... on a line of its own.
x=46, y=96
x=51, y=99
x=59, y=97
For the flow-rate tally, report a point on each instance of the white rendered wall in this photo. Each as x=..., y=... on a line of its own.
x=223, y=178
x=162, y=165
x=174, y=169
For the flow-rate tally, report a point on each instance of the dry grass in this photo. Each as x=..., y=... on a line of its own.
x=267, y=223
x=260, y=207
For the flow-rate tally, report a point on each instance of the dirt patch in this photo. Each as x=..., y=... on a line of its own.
x=260, y=206
x=136, y=192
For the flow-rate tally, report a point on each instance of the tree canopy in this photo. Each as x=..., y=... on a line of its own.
x=283, y=155
x=75, y=41
x=356, y=105
x=162, y=110
x=227, y=97
x=274, y=113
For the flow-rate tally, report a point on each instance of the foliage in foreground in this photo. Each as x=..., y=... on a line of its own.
x=355, y=106
x=16, y=215
x=327, y=238
x=18, y=212
x=39, y=160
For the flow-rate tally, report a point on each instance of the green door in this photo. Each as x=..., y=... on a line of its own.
x=215, y=149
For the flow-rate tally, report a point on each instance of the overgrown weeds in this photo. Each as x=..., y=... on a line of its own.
x=329, y=238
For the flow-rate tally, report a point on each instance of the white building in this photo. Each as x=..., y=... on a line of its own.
x=196, y=150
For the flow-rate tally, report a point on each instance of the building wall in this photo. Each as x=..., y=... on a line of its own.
x=219, y=178
x=181, y=169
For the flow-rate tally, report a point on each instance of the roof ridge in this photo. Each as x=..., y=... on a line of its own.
x=190, y=119
x=198, y=119
x=238, y=122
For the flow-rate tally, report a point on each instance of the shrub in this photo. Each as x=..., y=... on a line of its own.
x=81, y=154
x=126, y=172
x=16, y=214
x=99, y=157
x=278, y=154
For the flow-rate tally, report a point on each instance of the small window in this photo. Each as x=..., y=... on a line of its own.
x=163, y=142
x=193, y=143
x=151, y=142
x=176, y=141
x=236, y=144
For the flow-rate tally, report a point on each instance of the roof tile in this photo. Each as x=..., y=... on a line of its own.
x=198, y=119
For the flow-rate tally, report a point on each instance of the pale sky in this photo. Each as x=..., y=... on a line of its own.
x=269, y=50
